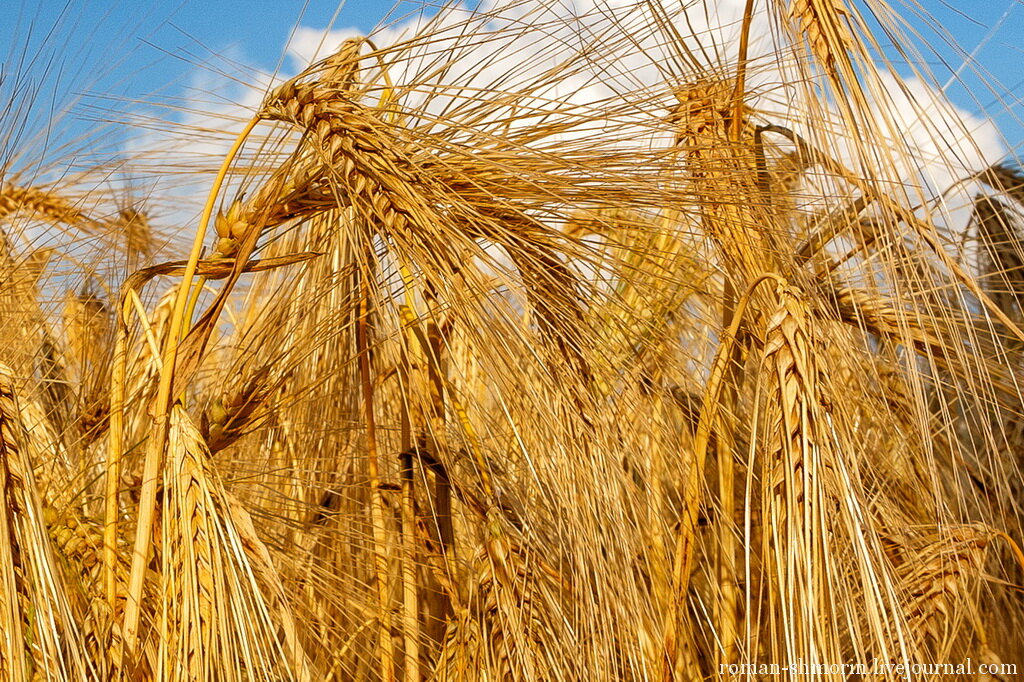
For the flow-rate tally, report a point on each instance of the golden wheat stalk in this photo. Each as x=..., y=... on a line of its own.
x=824, y=24
x=41, y=634
x=794, y=479
x=578, y=267
x=939, y=574
x=42, y=203
x=216, y=620
x=377, y=506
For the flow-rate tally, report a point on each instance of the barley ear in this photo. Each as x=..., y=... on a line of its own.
x=40, y=631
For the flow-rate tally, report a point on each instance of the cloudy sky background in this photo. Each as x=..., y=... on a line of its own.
x=149, y=61
x=131, y=49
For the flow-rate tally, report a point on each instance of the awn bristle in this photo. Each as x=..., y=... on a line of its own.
x=40, y=630
x=216, y=616
x=825, y=25
x=43, y=204
x=485, y=376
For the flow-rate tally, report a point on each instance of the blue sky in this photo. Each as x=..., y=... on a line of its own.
x=129, y=49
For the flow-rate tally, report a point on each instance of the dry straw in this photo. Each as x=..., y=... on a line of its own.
x=476, y=377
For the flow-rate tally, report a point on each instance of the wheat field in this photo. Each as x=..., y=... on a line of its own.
x=672, y=352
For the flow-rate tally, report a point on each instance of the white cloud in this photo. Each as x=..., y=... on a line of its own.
x=308, y=45
x=618, y=52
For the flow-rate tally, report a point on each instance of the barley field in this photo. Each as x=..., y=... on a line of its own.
x=613, y=341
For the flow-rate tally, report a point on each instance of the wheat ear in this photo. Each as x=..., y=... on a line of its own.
x=40, y=633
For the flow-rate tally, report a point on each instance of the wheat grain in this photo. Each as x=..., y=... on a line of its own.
x=824, y=23
x=40, y=630
x=207, y=577
x=41, y=203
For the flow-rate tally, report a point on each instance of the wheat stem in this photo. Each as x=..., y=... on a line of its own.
x=410, y=596
x=158, y=437
x=739, y=92
x=115, y=449
x=687, y=537
x=378, y=508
